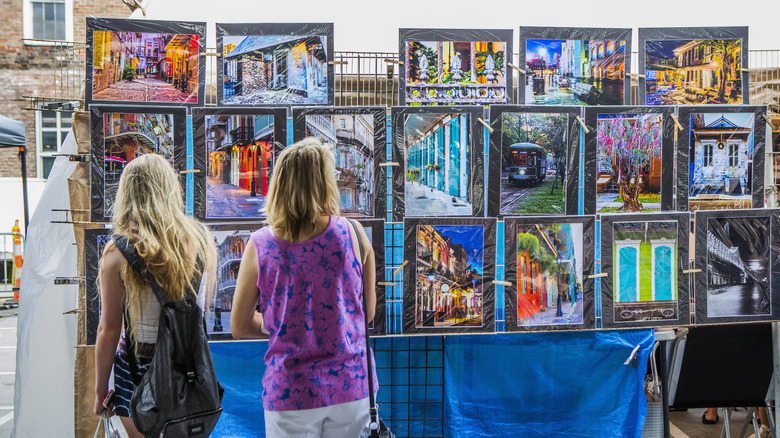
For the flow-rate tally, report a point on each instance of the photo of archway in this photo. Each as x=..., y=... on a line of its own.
x=121, y=134
x=739, y=265
x=446, y=281
x=275, y=64
x=236, y=151
x=455, y=67
x=575, y=66
x=149, y=61
x=548, y=262
x=357, y=136
x=644, y=256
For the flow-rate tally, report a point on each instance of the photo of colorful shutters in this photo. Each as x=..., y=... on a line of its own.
x=549, y=260
x=234, y=151
x=440, y=170
x=644, y=256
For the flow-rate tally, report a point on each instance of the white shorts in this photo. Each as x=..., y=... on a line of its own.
x=344, y=420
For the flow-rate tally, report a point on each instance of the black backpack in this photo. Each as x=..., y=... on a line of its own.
x=179, y=395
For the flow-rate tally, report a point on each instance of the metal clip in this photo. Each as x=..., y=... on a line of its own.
x=189, y=171
x=582, y=123
x=691, y=271
x=485, y=124
x=83, y=158
x=603, y=274
x=632, y=357
x=502, y=283
x=518, y=69
x=390, y=164
x=400, y=268
x=677, y=122
x=191, y=377
x=68, y=280
x=393, y=61
x=338, y=62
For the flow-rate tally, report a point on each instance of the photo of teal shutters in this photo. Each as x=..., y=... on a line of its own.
x=454, y=176
x=663, y=278
x=627, y=275
x=440, y=158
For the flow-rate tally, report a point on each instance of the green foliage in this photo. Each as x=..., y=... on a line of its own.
x=545, y=130
x=128, y=73
x=529, y=243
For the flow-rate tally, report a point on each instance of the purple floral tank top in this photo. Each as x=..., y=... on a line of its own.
x=311, y=298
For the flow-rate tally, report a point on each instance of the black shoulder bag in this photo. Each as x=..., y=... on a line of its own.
x=378, y=427
x=179, y=396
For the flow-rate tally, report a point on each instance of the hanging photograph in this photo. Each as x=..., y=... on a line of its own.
x=234, y=152
x=534, y=163
x=693, y=65
x=145, y=61
x=740, y=267
x=275, y=64
x=548, y=261
x=357, y=136
x=644, y=256
x=723, y=147
x=440, y=162
x=449, y=279
x=375, y=230
x=455, y=66
x=575, y=66
x=95, y=241
x=630, y=159
x=119, y=135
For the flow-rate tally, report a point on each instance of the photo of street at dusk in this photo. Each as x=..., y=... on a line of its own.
x=145, y=67
x=351, y=137
x=127, y=136
x=240, y=159
x=738, y=267
x=437, y=172
x=644, y=258
x=549, y=274
x=689, y=72
x=534, y=148
x=275, y=69
x=574, y=72
x=449, y=276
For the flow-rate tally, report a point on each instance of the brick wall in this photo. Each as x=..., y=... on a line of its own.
x=28, y=70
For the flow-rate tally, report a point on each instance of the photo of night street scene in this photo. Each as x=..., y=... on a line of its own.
x=533, y=163
x=274, y=69
x=644, y=259
x=688, y=72
x=437, y=172
x=628, y=162
x=738, y=267
x=145, y=67
x=130, y=135
x=449, y=276
x=230, y=248
x=240, y=158
x=351, y=137
x=720, y=161
x=574, y=72
x=95, y=241
x=549, y=274
x=446, y=72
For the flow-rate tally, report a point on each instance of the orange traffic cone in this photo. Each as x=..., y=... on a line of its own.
x=16, y=277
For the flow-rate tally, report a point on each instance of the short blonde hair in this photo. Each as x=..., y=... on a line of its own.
x=303, y=187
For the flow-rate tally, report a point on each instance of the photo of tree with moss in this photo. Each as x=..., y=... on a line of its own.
x=533, y=163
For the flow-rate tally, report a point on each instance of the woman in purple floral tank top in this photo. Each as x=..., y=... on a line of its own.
x=304, y=271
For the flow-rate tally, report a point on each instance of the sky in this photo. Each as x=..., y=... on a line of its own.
x=542, y=47
x=470, y=237
x=359, y=27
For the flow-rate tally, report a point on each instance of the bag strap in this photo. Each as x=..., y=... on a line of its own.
x=372, y=411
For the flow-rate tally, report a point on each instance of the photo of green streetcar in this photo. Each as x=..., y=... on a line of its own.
x=527, y=165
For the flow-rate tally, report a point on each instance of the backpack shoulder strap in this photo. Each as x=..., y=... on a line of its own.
x=128, y=250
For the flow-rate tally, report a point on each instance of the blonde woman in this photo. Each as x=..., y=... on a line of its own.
x=149, y=210
x=304, y=271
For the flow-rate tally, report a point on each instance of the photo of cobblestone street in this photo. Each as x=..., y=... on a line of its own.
x=145, y=90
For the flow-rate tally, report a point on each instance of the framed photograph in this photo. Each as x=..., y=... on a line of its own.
x=358, y=137
x=534, y=160
x=234, y=151
x=629, y=164
x=375, y=230
x=740, y=269
x=440, y=171
x=720, y=156
x=145, y=61
x=230, y=239
x=95, y=241
x=448, y=283
x=275, y=64
x=644, y=256
x=122, y=133
x=693, y=65
x=455, y=66
x=575, y=66
x=549, y=260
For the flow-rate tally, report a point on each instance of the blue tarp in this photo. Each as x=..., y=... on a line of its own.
x=546, y=384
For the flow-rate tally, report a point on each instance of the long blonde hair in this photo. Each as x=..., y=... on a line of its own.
x=149, y=210
x=303, y=187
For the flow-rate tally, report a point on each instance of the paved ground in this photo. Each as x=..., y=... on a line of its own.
x=320, y=95
x=424, y=201
x=687, y=424
x=228, y=201
x=607, y=200
x=144, y=90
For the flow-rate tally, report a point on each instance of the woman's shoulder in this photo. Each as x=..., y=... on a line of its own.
x=112, y=258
